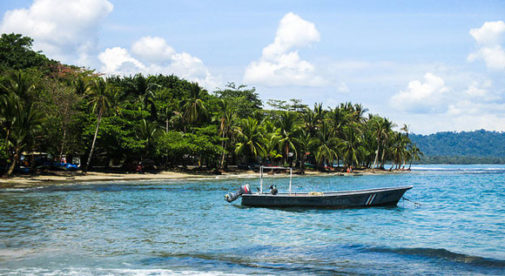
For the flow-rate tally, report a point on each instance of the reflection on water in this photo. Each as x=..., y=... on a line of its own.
x=154, y=228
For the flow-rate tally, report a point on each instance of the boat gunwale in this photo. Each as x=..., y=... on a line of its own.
x=330, y=194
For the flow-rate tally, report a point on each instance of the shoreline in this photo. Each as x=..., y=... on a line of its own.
x=64, y=178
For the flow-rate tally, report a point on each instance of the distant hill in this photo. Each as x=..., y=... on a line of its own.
x=479, y=146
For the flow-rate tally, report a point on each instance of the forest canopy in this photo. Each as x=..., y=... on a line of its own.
x=466, y=147
x=117, y=122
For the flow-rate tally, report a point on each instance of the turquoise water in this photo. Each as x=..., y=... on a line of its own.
x=454, y=223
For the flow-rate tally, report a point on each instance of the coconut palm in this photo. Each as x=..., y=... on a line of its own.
x=382, y=130
x=8, y=115
x=100, y=95
x=18, y=115
x=147, y=131
x=28, y=122
x=399, y=149
x=250, y=138
x=226, y=117
x=195, y=109
x=324, y=146
x=143, y=89
x=289, y=126
x=415, y=154
x=351, y=146
x=272, y=141
x=387, y=139
x=302, y=142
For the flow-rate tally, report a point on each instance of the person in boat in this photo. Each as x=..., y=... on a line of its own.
x=273, y=189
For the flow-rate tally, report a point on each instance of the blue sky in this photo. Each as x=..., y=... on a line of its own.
x=434, y=65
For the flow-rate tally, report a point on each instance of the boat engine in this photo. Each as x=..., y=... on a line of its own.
x=231, y=196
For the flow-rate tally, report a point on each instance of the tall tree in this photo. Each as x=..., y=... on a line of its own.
x=325, y=146
x=28, y=122
x=226, y=117
x=100, y=95
x=250, y=139
x=351, y=145
x=289, y=126
x=195, y=109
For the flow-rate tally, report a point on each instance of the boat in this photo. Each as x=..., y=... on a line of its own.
x=345, y=199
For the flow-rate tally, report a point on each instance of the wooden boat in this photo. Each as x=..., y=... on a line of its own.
x=345, y=199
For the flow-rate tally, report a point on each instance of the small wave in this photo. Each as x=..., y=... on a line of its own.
x=444, y=254
x=454, y=169
x=110, y=271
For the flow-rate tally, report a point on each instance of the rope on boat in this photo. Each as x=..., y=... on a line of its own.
x=417, y=204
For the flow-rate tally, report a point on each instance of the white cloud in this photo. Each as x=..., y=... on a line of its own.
x=152, y=55
x=280, y=64
x=119, y=60
x=489, y=34
x=494, y=57
x=422, y=97
x=479, y=91
x=489, y=38
x=152, y=49
x=62, y=29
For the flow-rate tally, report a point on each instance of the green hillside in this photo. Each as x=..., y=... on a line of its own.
x=479, y=146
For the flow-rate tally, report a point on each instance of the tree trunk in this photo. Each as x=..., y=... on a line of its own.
x=166, y=125
x=302, y=165
x=287, y=154
x=14, y=161
x=63, y=143
x=382, y=159
x=376, y=156
x=7, y=142
x=94, y=140
x=223, y=145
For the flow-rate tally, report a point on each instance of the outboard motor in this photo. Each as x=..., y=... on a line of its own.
x=231, y=196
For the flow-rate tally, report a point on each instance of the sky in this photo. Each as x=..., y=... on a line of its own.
x=433, y=65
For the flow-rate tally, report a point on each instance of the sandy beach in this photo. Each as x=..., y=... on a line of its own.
x=62, y=177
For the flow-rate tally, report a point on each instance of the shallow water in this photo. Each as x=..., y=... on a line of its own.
x=453, y=223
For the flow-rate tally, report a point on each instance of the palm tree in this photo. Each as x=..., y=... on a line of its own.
x=8, y=112
x=324, y=145
x=338, y=117
x=147, y=131
x=227, y=115
x=399, y=149
x=310, y=121
x=415, y=154
x=100, y=95
x=289, y=126
x=28, y=122
x=351, y=145
x=382, y=129
x=250, y=137
x=386, y=139
x=194, y=109
x=359, y=112
x=302, y=144
x=272, y=140
x=18, y=115
x=143, y=89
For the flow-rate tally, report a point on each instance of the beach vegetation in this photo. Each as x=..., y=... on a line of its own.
x=121, y=122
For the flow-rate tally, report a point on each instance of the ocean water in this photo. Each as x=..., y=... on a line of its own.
x=452, y=222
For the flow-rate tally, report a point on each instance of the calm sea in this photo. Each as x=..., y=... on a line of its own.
x=452, y=223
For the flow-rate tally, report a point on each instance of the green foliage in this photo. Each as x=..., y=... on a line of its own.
x=479, y=146
x=16, y=53
x=65, y=110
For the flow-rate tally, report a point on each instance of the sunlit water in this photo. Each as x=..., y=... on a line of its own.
x=454, y=223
